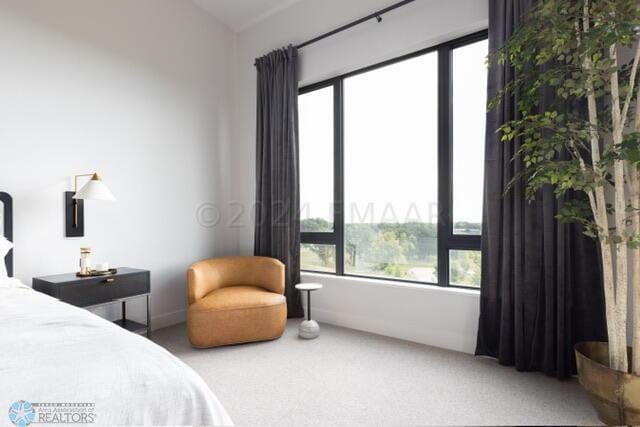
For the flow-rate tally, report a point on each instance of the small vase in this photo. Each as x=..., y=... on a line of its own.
x=85, y=260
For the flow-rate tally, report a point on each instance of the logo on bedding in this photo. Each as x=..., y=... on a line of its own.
x=21, y=413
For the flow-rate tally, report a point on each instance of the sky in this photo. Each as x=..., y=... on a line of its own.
x=391, y=117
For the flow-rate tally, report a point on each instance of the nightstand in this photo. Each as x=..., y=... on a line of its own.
x=92, y=292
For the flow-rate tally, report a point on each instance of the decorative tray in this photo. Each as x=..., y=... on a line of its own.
x=94, y=273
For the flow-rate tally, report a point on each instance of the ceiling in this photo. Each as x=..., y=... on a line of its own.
x=242, y=14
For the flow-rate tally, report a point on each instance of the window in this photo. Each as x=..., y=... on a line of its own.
x=464, y=268
x=316, y=154
x=469, y=113
x=391, y=163
x=318, y=257
x=391, y=180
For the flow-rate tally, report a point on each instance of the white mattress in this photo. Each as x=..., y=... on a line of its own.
x=51, y=352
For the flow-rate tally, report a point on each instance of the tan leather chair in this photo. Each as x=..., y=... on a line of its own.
x=235, y=300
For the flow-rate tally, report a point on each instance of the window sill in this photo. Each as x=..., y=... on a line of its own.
x=309, y=276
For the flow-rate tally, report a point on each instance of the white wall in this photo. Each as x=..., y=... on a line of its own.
x=160, y=98
x=137, y=90
x=441, y=317
x=446, y=318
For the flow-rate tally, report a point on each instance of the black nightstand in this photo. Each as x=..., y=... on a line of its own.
x=91, y=292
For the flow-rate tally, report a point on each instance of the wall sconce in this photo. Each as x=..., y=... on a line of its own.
x=94, y=189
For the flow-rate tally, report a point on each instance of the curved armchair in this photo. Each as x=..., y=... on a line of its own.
x=234, y=300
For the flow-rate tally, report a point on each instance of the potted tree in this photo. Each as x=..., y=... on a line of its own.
x=578, y=129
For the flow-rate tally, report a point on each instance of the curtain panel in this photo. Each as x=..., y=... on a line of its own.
x=541, y=288
x=277, y=210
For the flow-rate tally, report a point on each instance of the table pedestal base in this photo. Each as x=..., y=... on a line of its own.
x=309, y=329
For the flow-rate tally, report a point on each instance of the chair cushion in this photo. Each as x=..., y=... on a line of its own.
x=237, y=297
x=235, y=315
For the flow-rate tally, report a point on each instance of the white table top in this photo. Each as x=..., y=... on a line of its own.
x=309, y=286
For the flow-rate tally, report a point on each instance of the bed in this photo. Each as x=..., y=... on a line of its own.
x=52, y=353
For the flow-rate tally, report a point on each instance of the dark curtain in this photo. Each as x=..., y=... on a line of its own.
x=541, y=286
x=277, y=221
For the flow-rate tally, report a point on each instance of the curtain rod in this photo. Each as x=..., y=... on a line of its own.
x=375, y=15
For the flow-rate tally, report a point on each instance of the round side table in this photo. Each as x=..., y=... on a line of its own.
x=309, y=329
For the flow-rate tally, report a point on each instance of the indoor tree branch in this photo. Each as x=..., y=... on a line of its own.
x=620, y=207
x=635, y=254
x=600, y=214
x=632, y=82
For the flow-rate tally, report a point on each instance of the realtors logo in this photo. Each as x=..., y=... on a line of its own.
x=23, y=413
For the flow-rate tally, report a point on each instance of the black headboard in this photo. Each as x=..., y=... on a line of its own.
x=7, y=202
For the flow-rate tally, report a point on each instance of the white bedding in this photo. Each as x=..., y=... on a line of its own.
x=51, y=352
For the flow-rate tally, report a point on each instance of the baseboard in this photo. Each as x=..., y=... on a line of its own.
x=435, y=337
x=432, y=336
x=168, y=319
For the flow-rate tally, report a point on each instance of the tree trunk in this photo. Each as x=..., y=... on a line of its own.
x=600, y=214
x=602, y=220
x=635, y=203
x=620, y=211
x=635, y=254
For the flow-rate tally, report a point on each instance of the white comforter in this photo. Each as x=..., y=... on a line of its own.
x=51, y=352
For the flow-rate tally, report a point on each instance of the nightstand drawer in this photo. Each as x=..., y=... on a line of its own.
x=83, y=292
x=104, y=289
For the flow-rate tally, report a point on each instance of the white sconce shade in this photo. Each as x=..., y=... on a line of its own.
x=95, y=189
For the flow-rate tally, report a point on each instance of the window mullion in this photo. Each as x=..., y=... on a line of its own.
x=465, y=242
x=338, y=164
x=319, y=238
x=444, y=162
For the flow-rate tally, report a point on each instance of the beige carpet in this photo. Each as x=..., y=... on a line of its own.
x=347, y=377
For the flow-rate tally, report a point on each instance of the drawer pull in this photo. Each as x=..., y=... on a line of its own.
x=111, y=280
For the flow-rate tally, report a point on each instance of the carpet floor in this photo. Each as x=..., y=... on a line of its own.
x=348, y=377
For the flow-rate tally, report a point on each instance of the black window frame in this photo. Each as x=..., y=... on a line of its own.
x=447, y=240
